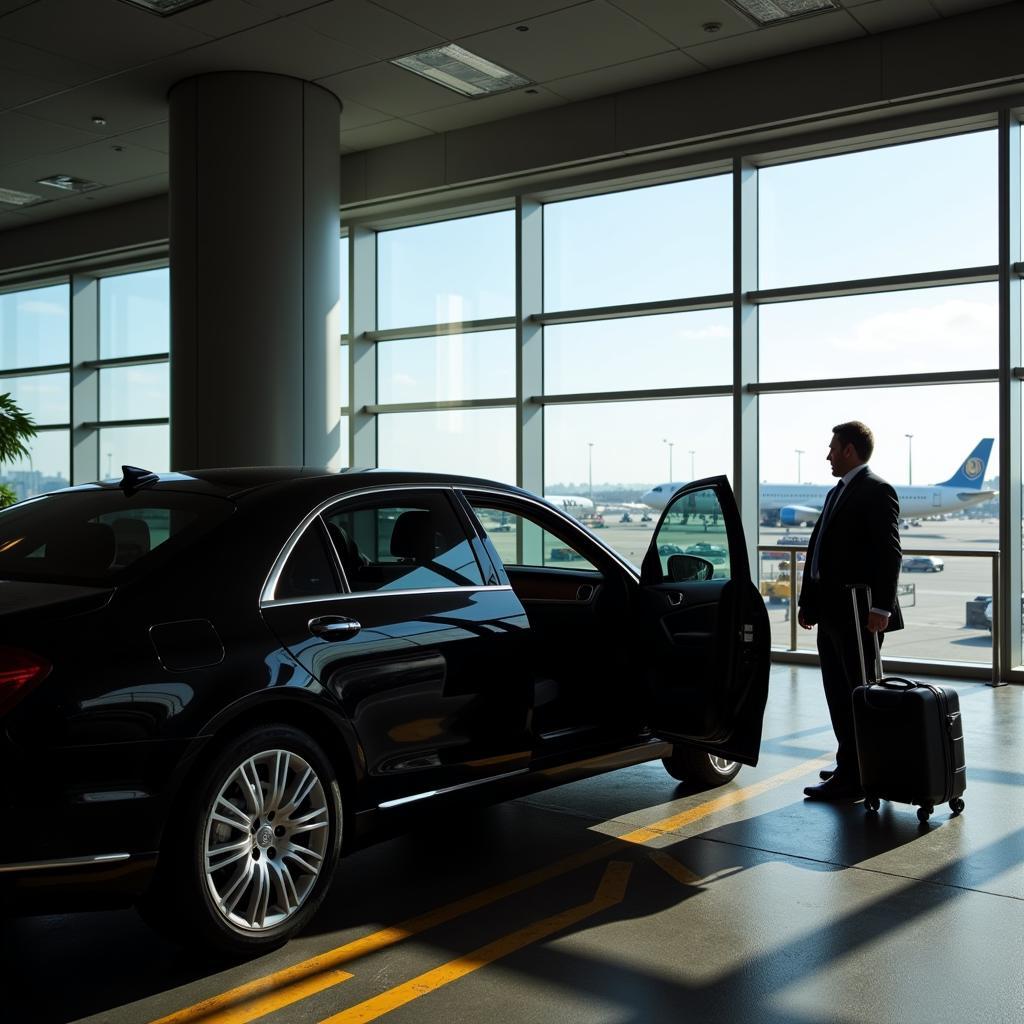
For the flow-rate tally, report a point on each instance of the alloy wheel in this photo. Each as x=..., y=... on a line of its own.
x=266, y=839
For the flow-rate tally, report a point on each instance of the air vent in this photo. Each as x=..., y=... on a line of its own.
x=461, y=71
x=66, y=183
x=164, y=7
x=771, y=12
x=15, y=198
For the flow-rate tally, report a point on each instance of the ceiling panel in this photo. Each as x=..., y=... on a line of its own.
x=820, y=30
x=385, y=134
x=368, y=27
x=220, y=17
x=683, y=24
x=455, y=18
x=17, y=88
x=24, y=137
x=592, y=35
x=127, y=101
x=355, y=115
x=32, y=61
x=107, y=33
x=948, y=7
x=280, y=46
x=883, y=15
x=154, y=136
x=394, y=90
x=6, y=6
x=98, y=162
x=490, y=108
x=645, y=71
x=284, y=6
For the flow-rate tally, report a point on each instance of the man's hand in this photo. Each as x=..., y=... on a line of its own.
x=877, y=622
x=804, y=624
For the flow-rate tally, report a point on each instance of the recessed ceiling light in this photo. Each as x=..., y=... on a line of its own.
x=163, y=7
x=15, y=198
x=67, y=183
x=99, y=119
x=461, y=71
x=770, y=12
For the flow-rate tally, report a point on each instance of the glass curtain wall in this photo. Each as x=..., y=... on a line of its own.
x=878, y=300
x=98, y=394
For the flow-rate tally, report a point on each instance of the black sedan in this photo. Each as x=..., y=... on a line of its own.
x=213, y=684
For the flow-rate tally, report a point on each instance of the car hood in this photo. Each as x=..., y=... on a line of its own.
x=17, y=596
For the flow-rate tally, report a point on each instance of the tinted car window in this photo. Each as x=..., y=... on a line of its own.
x=695, y=525
x=508, y=532
x=309, y=571
x=95, y=536
x=410, y=542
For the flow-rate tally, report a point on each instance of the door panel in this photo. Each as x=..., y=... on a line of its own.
x=706, y=642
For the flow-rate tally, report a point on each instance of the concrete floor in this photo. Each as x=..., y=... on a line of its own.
x=742, y=904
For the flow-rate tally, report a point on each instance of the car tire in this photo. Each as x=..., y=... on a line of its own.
x=699, y=768
x=269, y=808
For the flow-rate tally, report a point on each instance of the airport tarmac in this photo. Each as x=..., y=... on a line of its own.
x=935, y=611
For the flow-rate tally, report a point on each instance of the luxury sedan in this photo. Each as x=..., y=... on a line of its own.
x=213, y=684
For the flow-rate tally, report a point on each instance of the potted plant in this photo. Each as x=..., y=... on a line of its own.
x=15, y=429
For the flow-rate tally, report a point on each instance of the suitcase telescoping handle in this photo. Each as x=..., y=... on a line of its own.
x=854, y=587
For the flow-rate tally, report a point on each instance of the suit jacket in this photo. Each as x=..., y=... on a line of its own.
x=860, y=545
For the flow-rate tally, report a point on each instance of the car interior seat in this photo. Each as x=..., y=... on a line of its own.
x=132, y=538
x=413, y=538
x=85, y=549
x=352, y=560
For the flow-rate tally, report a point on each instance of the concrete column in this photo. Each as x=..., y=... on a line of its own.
x=254, y=227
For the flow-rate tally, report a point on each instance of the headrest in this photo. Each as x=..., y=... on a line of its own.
x=413, y=536
x=132, y=537
x=84, y=549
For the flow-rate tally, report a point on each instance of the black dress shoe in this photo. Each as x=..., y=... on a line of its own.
x=826, y=773
x=835, y=789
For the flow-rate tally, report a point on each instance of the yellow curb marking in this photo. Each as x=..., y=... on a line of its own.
x=609, y=893
x=258, y=998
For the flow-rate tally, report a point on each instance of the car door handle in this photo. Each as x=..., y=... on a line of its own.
x=334, y=627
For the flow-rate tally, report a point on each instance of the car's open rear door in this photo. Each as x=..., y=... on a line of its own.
x=703, y=628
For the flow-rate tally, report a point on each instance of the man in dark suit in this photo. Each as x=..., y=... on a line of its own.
x=855, y=540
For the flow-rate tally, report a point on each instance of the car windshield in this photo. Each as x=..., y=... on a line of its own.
x=94, y=536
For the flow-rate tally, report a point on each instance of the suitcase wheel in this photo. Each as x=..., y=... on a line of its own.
x=956, y=805
x=871, y=804
x=924, y=812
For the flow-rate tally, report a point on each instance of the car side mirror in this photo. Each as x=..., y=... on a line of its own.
x=682, y=568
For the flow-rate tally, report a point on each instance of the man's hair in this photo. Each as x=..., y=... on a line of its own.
x=859, y=435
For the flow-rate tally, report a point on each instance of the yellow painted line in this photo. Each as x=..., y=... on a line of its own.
x=257, y=998
x=609, y=893
x=737, y=796
x=671, y=866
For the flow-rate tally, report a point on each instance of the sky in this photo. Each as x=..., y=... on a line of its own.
x=905, y=209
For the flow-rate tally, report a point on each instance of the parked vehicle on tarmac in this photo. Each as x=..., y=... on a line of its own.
x=923, y=563
x=213, y=684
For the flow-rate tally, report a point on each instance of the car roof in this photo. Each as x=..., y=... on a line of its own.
x=237, y=482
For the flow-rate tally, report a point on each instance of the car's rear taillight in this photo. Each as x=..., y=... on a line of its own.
x=20, y=672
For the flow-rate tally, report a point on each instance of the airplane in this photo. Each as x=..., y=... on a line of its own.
x=575, y=504
x=801, y=504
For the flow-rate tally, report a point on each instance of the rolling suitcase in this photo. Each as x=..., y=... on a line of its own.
x=910, y=740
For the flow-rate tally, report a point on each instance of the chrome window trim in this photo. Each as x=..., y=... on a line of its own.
x=284, y=601
x=273, y=577
x=65, y=862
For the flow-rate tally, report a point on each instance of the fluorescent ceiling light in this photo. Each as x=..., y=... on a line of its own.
x=770, y=12
x=15, y=198
x=462, y=71
x=67, y=183
x=163, y=7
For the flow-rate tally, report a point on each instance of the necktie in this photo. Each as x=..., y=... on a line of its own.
x=826, y=514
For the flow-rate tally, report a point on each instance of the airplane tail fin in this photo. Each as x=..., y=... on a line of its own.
x=971, y=473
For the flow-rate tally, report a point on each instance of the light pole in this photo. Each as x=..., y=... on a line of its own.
x=692, y=473
x=590, y=470
x=799, y=452
x=910, y=459
x=671, y=445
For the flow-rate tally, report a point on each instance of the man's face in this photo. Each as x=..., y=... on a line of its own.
x=841, y=457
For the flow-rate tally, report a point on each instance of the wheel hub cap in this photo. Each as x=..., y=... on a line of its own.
x=264, y=837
